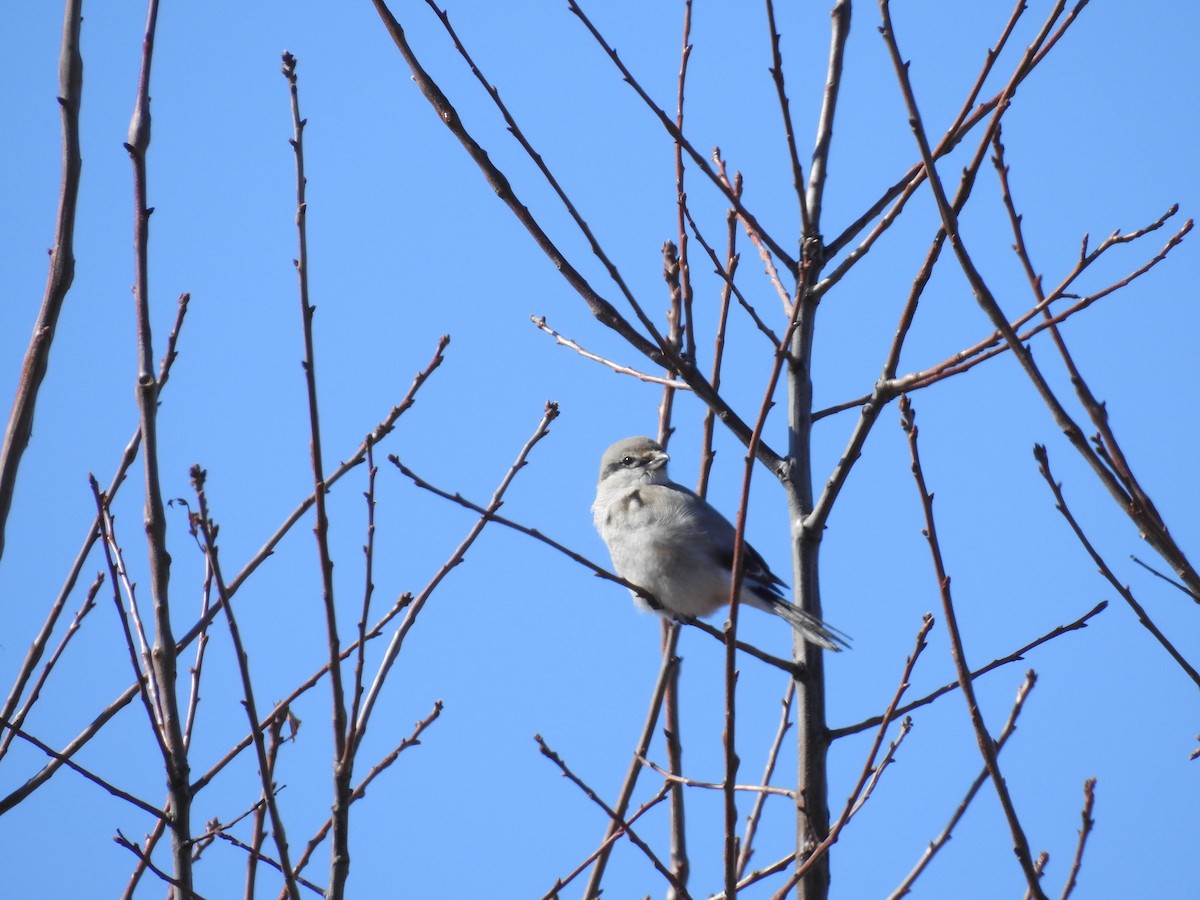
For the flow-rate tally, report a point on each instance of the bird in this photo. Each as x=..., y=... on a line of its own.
x=672, y=543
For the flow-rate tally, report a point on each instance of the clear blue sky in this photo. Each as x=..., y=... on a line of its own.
x=407, y=242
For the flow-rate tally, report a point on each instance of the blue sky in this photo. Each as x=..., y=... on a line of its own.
x=407, y=242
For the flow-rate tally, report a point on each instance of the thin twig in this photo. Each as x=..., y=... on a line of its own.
x=561, y=883
x=205, y=532
x=1043, y=459
x=941, y=840
x=614, y=817
x=761, y=789
x=538, y=161
x=19, y=429
x=789, y=132
x=360, y=790
x=1141, y=508
x=755, y=815
x=143, y=673
x=38, y=645
x=282, y=710
x=35, y=691
x=89, y=775
x=418, y=603
x=343, y=743
x=676, y=135
x=655, y=349
x=987, y=746
x=727, y=271
x=1168, y=580
x=987, y=302
x=675, y=384
x=1089, y=800
x=144, y=860
x=368, y=587
x=1015, y=656
x=625, y=793
x=871, y=772
x=274, y=864
x=165, y=653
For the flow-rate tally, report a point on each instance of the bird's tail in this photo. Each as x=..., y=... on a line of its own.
x=813, y=629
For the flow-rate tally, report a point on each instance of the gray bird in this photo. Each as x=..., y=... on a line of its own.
x=668, y=540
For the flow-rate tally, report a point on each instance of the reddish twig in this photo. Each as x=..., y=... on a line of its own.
x=785, y=111
x=561, y=883
x=752, y=820
x=1015, y=656
x=1043, y=459
x=18, y=718
x=204, y=530
x=19, y=429
x=676, y=135
x=143, y=671
x=39, y=643
x=536, y=157
x=1085, y=829
x=987, y=746
x=165, y=653
x=418, y=603
x=368, y=586
x=360, y=790
x=604, y=312
x=869, y=776
x=727, y=273
x=343, y=742
x=625, y=793
x=1140, y=508
x=941, y=840
x=282, y=710
x=86, y=773
x=614, y=817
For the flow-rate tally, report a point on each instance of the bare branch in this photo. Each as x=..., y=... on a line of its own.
x=89, y=775
x=941, y=840
x=761, y=789
x=62, y=264
x=756, y=811
x=540, y=322
x=205, y=532
x=418, y=603
x=614, y=817
x=561, y=883
x=819, y=170
x=1089, y=799
x=625, y=794
x=656, y=349
x=361, y=790
x=987, y=746
x=1043, y=459
x=789, y=133
x=1015, y=656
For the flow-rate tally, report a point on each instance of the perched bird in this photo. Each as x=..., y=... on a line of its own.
x=670, y=541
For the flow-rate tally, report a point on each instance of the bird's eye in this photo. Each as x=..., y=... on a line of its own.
x=628, y=461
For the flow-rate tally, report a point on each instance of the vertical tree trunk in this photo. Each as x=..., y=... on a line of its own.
x=812, y=800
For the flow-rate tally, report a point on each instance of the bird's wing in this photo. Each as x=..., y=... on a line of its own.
x=708, y=525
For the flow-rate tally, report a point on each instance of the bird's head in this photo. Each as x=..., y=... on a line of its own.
x=635, y=460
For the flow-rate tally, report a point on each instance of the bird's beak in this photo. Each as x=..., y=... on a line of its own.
x=658, y=460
